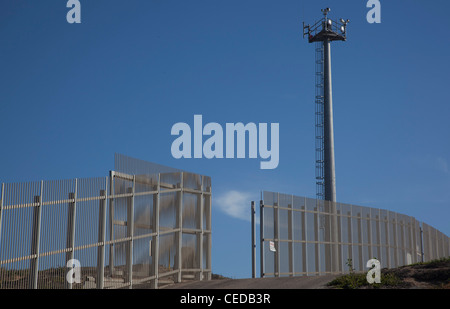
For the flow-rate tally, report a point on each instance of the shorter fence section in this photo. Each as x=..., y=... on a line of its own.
x=303, y=236
x=111, y=232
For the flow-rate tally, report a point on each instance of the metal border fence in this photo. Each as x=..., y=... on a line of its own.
x=125, y=230
x=304, y=236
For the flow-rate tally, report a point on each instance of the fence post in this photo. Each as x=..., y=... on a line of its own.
x=70, y=241
x=395, y=235
x=316, y=239
x=421, y=243
x=111, y=222
x=155, y=240
x=276, y=239
x=334, y=237
x=410, y=237
x=325, y=224
x=378, y=231
x=209, y=235
x=387, y=238
x=34, y=261
x=291, y=236
x=101, y=240
x=350, y=234
x=402, y=225
x=200, y=234
x=369, y=237
x=253, y=240
x=360, y=240
x=130, y=232
x=179, y=260
x=304, y=239
x=1, y=210
x=261, y=235
x=414, y=240
x=435, y=243
x=340, y=245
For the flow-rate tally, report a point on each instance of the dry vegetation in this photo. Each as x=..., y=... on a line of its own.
x=430, y=275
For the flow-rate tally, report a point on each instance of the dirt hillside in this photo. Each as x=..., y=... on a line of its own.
x=431, y=275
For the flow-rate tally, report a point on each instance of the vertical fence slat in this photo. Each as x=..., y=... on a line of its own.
x=209, y=227
x=179, y=225
x=253, y=239
x=199, y=235
x=261, y=232
x=155, y=242
x=316, y=239
x=276, y=236
x=291, y=237
x=111, y=223
x=71, y=219
x=2, y=198
x=35, y=242
x=303, y=238
x=101, y=240
x=130, y=233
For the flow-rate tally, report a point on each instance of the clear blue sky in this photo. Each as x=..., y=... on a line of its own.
x=71, y=95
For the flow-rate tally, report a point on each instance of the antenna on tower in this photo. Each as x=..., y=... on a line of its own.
x=325, y=11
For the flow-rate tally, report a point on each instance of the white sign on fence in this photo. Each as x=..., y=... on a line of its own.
x=272, y=246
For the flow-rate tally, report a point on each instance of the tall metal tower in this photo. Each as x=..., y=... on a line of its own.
x=322, y=33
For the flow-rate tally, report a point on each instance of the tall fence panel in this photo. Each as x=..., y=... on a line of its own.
x=304, y=236
x=123, y=230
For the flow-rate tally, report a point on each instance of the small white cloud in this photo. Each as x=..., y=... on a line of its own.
x=235, y=203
